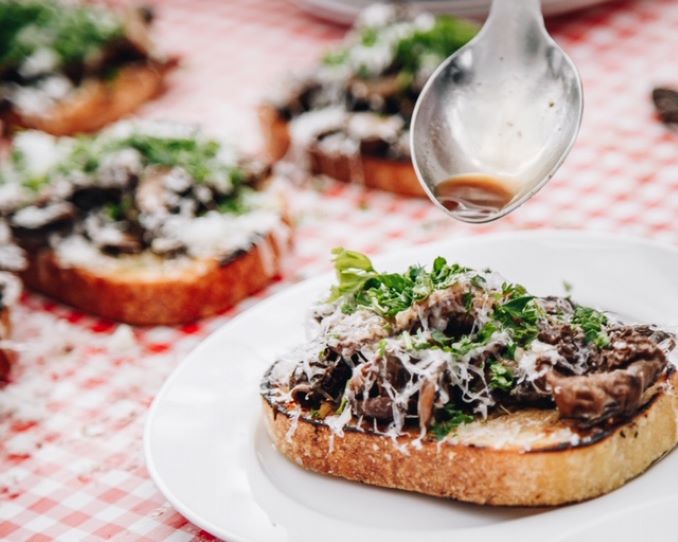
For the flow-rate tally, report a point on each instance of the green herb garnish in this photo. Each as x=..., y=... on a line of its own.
x=520, y=316
x=446, y=36
x=417, y=48
x=342, y=406
x=592, y=323
x=450, y=418
x=387, y=294
x=88, y=156
x=501, y=377
x=73, y=32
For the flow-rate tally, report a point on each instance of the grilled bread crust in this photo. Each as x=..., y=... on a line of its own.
x=546, y=474
x=150, y=296
x=6, y=356
x=97, y=103
x=392, y=175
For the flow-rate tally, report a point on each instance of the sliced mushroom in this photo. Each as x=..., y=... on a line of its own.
x=666, y=103
x=152, y=196
x=380, y=408
x=38, y=218
x=427, y=395
x=111, y=238
x=136, y=24
x=595, y=397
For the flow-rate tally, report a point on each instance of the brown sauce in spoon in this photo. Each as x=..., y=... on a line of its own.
x=474, y=191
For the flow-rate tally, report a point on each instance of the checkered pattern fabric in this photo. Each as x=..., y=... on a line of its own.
x=71, y=419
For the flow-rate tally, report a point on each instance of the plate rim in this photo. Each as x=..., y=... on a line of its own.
x=338, y=13
x=542, y=234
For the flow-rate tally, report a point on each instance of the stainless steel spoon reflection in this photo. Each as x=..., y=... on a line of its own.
x=498, y=117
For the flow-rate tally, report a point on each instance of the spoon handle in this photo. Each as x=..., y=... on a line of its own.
x=510, y=16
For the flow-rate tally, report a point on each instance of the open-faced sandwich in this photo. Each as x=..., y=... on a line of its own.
x=349, y=117
x=146, y=222
x=10, y=289
x=456, y=383
x=69, y=67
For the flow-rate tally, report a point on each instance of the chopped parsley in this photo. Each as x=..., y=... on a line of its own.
x=335, y=58
x=369, y=36
x=342, y=406
x=387, y=294
x=520, y=316
x=516, y=312
x=120, y=210
x=410, y=52
x=437, y=43
x=195, y=156
x=468, y=301
x=449, y=419
x=73, y=32
x=198, y=157
x=501, y=377
x=592, y=323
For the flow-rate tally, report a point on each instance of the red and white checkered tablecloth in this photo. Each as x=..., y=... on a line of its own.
x=71, y=420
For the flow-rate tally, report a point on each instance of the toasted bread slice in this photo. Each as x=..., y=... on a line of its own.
x=145, y=290
x=6, y=356
x=526, y=458
x=392, y=175
x=97, y=102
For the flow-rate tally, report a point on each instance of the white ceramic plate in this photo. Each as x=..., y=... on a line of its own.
x=209, y=454
x=345, y=11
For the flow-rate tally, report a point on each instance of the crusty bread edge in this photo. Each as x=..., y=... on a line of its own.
x=97, y=102
x=391, y=175
x=166, y=301
x=6, y=356
x=485, y=475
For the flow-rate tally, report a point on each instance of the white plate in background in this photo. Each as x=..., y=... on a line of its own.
x=209, y=454
x=345, y=11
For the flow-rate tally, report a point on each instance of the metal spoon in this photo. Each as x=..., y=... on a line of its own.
x=498, y=117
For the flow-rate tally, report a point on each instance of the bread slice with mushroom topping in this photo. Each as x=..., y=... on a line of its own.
x=10, y=290
x=74, y=67
x=145, y=223
x=457, y=383
x=349, y=117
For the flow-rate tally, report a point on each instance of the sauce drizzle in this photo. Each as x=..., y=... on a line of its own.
x=478, y=193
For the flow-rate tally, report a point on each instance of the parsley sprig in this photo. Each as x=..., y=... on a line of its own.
x=446, y=36
x=501, y=377
x=431, y=45
x=592, y=323
x=520, y=316
x=199, y=157
x=448, y=420
x=74, y=32
x=361, y=286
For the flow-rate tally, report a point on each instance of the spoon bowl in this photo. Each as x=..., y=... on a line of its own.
x=505, y=108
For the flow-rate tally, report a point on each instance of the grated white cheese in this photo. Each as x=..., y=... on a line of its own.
x=41, y=151
x=218, y=234
x=305, y=128
x=43, y=60
x=527, y=360
x=34, y=217
x=370, y=125
x=39, y=99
